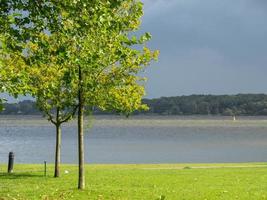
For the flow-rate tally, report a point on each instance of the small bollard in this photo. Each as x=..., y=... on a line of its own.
x=44, y=168
x=10, y=162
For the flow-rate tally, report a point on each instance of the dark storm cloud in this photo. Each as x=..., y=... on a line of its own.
x=209, y=46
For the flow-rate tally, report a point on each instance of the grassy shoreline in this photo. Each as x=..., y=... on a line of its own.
x=138, y=181
x=159, y=121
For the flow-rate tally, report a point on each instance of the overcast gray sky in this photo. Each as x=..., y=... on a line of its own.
x=207, y=47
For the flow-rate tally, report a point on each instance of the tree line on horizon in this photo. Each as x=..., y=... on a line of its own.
x=227, y=105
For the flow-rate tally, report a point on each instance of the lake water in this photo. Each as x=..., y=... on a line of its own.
x=138, y=140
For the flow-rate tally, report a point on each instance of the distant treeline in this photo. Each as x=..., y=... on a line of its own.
x=26, y=107
x=241, y=104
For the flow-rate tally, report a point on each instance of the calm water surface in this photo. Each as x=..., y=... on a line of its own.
x=138, y=140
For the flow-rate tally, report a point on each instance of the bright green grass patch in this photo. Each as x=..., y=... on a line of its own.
x=137, y=182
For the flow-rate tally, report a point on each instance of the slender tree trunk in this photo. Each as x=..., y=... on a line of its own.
x=81, y=184
x=58, y=150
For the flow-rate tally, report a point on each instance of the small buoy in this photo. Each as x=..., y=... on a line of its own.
x=66, y=171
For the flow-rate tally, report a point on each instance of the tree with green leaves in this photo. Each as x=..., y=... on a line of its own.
x=96, y=45
x=55, y=99
x=46, y=82
x=13, y=76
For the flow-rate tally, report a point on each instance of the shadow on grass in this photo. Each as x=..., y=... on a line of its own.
x=19, y=176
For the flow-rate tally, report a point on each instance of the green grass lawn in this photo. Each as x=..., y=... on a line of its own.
x=137, y=182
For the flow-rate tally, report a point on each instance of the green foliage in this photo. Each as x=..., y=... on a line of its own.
x=78, y=52
x=54, y=95
x=91, y=36
x=241, y=104
x=13, y=76
x=1, y=104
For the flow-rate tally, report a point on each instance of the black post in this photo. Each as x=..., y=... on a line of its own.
x=44, y=168
x=10, y=162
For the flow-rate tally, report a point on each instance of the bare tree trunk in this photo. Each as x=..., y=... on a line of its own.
x=81, y=184
x=58, y=150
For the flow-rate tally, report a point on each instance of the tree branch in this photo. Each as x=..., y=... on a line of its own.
x=50, y=117
x=69, y=116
